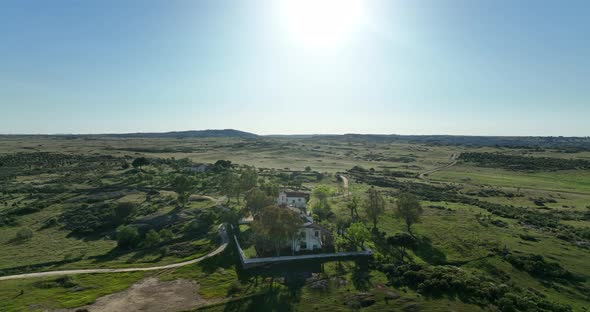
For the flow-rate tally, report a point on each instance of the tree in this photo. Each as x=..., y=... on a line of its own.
x=322, y=192
x=358, y=234
x=227, y=184
x=308, y=169
x=340, y=242
x=140, y=162
x=271, y=189
x=24, y=234
x=409, y=209
x=323, y=210
x=353, y=207
x=374, y=205
x=166, y=235
x=277, y=225
x=247, y=181
x=402, y=241
x=124, y=211
x=183, y=186
x=127, y=236
x=222, y=165
x=256, y=199
x=152, y=238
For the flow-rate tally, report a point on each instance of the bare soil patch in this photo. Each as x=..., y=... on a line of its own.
x=150, y=295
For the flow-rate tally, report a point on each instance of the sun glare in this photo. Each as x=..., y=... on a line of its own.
x=322, y=23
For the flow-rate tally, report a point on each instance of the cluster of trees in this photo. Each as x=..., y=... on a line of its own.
x=46, y=160
x=538, y=267
x=128, y=237
x=237, y=183
x=140, y=162
x=322, y=209
x=469, y=287
x=93, y=218
x=514, y=162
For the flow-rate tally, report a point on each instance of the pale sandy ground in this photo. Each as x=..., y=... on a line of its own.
x=149, y=295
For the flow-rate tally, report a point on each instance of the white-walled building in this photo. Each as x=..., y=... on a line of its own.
x=295, y=199
x=198, y=168
x=310, y=238
x=310, y=235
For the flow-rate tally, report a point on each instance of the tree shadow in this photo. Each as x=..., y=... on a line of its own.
x=429, y=253
x=273, y=299
x=361, y=276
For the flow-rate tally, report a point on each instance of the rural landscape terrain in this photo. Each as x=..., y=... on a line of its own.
x=163, y=222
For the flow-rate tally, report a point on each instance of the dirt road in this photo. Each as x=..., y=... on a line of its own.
x=453, y=162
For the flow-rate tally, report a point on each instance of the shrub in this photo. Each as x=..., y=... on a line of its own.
x=97, y=217
x=470, y=287
x=127, y=236
x=152, y=238
x=24, y=234
x=166, y=235
x=123, y=212
x=537, y=266
x=528, y=237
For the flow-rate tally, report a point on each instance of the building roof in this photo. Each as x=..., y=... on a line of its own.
x=297, y=194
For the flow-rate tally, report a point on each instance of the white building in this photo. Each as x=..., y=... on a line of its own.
x=295, y=199
x=310, y=235
x=310, y=238
x=197, y=168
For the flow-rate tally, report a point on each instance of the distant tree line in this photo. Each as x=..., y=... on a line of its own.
x=515, y=162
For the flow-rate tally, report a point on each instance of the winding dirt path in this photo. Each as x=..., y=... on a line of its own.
x=453, y=162
x=221, y=248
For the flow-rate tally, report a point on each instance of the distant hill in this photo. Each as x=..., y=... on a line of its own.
x=225, y=133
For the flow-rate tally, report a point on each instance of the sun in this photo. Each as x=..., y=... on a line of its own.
x=322, y=23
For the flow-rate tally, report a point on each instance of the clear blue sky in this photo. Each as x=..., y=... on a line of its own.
x=489, y=67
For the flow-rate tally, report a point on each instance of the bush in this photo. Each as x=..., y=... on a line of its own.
x=538, y=267
x=24, y=234
x=123, y=212
x=468, y=286
x=127, y=237
x=97, y=217
x=152, y=238
x=166, y=235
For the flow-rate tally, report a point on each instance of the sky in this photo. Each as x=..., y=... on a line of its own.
x=461, y=67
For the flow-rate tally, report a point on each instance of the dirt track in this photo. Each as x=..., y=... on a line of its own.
x=453, y=162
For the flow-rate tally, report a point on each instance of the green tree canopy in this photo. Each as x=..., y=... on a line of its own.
x=277, y=225
x=358, y=234
x=228, y=182
x=257, y=199
x=183, y=186
x=322, y=192
x=152, y=238
x=374, y=205
x=247, y=181
x=139, y=162
x=127, y=237
x=409, y=209
x=352, y=206
x=124, y=211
